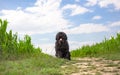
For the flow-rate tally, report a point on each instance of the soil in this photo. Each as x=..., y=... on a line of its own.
x=91, y=66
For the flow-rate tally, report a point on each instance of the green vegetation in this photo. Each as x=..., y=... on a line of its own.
x=11, y=46
x=109, y=49
x=41, y=64
x=20, y=57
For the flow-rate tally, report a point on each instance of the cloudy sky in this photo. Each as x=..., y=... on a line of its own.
x=84, y=21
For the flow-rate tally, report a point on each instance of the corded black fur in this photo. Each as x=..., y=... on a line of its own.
x=62, y=46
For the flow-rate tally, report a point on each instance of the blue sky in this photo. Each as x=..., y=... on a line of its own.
x=84, y=21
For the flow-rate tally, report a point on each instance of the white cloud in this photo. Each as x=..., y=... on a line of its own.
x=48, y=48
x=88, y=28
x=118, y=31
x=91, y=2
x=44, y=39
x=76, y=9
x=76, y=44
x=96, y=17
x=104, y=3
x=114, y=24
x=44, y=17
x=77, y=0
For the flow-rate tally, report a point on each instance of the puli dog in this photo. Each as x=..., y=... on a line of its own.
x=62, y=46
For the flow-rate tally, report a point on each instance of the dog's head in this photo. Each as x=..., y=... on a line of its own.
x=61, y=37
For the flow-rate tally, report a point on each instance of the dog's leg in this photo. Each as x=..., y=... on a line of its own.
x=59, y=54
x=68, y=56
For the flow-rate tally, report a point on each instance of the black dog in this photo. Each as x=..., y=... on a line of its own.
x=62, y=46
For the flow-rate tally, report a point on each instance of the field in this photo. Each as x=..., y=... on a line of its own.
x=20, y=57
x=33, y=65
x=108, y=48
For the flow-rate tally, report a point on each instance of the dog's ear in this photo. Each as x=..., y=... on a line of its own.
x=65, y=36
x=57, y=37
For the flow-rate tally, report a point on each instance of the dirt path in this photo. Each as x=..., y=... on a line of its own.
x=91, y=66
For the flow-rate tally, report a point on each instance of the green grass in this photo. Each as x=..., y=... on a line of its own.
x=34, y=65
x=20, y=57
x=108, y=49
x=11, y=45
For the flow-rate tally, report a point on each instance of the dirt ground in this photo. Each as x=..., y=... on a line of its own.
x=91, y=66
